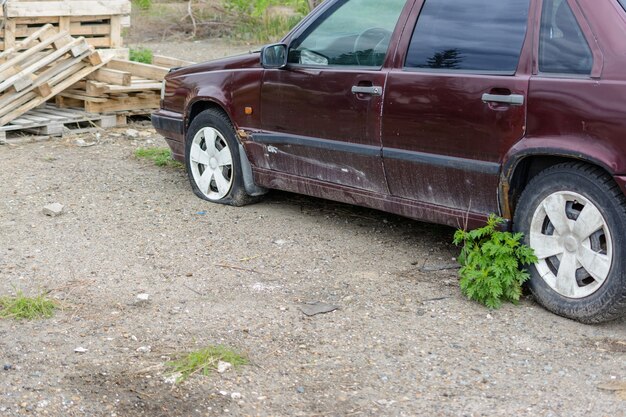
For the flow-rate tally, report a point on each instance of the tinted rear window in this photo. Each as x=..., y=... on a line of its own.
x=469, y=35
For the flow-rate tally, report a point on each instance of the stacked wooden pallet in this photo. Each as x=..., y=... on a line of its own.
x=50, y=63
x=99, y=22
x=120, y=87
x=48, y=120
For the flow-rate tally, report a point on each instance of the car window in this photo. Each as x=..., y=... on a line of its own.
x=623, y=3
x=469, y=35
x=562, y=45
x=353, y=32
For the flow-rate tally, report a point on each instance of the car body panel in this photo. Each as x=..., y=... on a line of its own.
x=466, y=172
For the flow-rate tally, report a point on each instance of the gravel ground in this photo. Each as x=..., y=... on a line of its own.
x=403, y=341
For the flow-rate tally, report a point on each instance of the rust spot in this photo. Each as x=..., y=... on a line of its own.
x=243, y=135
x=506, y=203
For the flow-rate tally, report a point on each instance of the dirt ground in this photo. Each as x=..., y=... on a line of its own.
x=403, y=342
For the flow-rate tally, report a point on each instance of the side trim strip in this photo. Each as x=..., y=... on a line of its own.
x=331, y=145
x=481, y=167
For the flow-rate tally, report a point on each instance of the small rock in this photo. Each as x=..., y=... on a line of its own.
x=224, y=393
x=144, y=349
x=82, y=144
x=142, y=299
x=313, y=309
x=8, y=367
x=236, y=396
x=43, y=404
x=80, y=350
x=223, y=366
x=53, y=210
x=300, y=390
x=280, y=242
x=171, y=379
x=131, y=133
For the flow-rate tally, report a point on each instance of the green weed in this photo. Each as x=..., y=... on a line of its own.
x=143, y=4
x=492, y=263
x=21, y=307
x=204, y=361
x=162, y=157
x=143, y=55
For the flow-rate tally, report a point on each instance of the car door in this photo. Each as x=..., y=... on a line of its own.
x=456, y=101
x=320, y=115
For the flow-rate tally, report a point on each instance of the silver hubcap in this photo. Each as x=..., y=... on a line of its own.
x=572, y=240
x=211, y=163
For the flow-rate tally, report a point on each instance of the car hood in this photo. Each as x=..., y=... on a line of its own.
x=244, y=61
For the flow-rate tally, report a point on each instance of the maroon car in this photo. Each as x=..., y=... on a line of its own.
x=438, y=110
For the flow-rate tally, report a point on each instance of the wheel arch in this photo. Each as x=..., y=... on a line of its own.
x=521, y=168
x=201, y=104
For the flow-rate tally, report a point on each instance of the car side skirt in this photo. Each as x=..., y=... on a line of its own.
x=403, y=207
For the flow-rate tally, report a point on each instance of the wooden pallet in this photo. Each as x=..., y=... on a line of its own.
x=119, y=87
x=49, y=120
x=98, y=22
x=114, y=103
x=30, y=78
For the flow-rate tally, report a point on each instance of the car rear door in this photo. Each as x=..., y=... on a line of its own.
x=456, y=101
x=321, y=114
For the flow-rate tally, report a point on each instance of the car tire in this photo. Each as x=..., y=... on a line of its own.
x=574, y=216
x=213, y=160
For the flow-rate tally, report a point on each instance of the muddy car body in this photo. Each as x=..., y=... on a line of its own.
x=437, y=110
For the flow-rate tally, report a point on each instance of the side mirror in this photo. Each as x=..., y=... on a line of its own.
x=274, y=56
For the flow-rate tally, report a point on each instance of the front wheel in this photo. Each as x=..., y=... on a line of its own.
x=574, y=217
x=213, y=160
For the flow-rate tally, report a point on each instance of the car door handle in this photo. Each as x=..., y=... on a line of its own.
x=512, y=99
x=373, y=90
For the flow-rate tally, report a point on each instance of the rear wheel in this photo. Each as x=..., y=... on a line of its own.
x=213, y=160
x=574, y=217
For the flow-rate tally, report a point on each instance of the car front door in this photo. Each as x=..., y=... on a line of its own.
x=456, y=101
x=321, y=114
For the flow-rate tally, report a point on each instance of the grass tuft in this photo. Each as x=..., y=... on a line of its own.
x=162, y=157
x=204, y=361
x=21, y=307
x=143, y=55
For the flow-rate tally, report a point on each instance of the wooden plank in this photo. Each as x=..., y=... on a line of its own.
x=111, y=76
x=94, y=88
x=77, y=94
x=64, y=23
x=125, y=104
x=9, y=34
x=169, y=62
x=76, y=29
x=116, y=32
x=64, y=8
x=149, y=71
x=92, y=19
